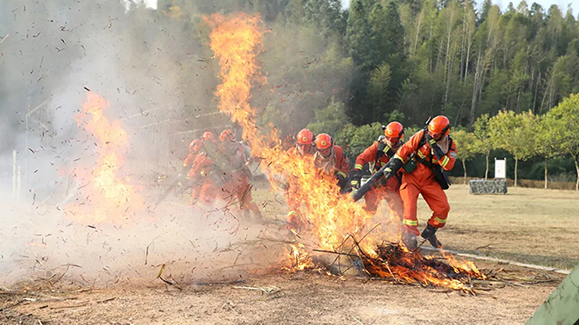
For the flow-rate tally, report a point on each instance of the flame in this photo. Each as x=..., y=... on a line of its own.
x=107, y=196
x=236, y=42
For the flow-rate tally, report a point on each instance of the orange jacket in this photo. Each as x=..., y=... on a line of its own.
x=342, y=162
x=423, y=172
x=190, y=159
x=370, y=155
x=202, y=166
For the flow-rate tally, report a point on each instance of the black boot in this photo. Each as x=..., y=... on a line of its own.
x=429, y=233
x=409, y=240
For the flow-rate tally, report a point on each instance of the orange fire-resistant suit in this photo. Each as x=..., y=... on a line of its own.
x=421, y=181
x=389, y=189
x=203, y=168
x=238, y=185
x=189, y=163
x=336, y=163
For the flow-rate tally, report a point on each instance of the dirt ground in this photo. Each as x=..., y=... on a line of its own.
x=527, y=225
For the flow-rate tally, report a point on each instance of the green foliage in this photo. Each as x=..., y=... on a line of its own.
x=564, y=119
x=514, y=133
x=378, y=90
x=466, y=144
x=330, y=119
x=355, y=139
x=388, y=60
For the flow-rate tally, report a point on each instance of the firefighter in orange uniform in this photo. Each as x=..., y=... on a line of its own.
x=433, y=151
x=330, y=159
x=378, y=155
x=205, y=170
x=305, y=148
x=239, y=183
x=194, y=149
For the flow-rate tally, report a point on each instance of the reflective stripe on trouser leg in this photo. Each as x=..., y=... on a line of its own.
x=409, y=194
x=436, y=199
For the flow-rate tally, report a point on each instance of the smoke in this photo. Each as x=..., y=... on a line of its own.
x=155, y=76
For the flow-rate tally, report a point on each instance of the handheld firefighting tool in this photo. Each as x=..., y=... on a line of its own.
x=388, y=170
x=369, y=184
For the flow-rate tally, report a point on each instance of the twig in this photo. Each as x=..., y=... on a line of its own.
x=5, y=37
x=71, y=306
x=376, y=226
x=334, y=252
x=161, y=271
x=357, y=320
x=218, y=283
x=392, y=274
x=422, y=243
x=106, y=300
x=266, y=290
x=276, y=240
x=147, y=250
x=230, y=305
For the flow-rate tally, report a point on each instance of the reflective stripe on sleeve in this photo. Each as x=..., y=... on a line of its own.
x=444, y=161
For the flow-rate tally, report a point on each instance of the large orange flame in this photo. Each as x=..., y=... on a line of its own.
x=105, y=196
x=237, y=42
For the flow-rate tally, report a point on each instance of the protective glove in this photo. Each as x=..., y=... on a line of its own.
x=356, y=178
x=340, y=176
x=430, y=140
x=381, y=146
x=437, y=151
x=392, y=167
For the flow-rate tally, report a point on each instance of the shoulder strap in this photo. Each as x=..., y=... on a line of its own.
x=423, y=139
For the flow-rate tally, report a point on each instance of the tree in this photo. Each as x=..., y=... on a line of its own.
x=330, y=119
x=564, y=120
x=354, y=139
x=514, y=133
x=482, y=139
x=466, y=150
x=546, y=144
x=378, y=90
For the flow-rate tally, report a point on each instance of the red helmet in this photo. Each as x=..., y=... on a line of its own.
x=394, y=130
x=439, y=127
x=208, y=136
x=194, y=145
x=324, y=141
x=305, y=136
x=227, y=134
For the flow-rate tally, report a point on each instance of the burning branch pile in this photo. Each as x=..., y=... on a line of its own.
x=393, y=261
x=236, y=42
x=396, y=262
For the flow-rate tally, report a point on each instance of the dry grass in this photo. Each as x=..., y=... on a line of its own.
x=526, y=225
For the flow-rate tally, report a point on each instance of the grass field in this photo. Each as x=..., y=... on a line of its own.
x=534, y=226
x=526, y=225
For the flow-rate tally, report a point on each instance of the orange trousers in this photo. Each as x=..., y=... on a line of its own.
x=374, y=196
x=240, y=187
x=434, y=196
